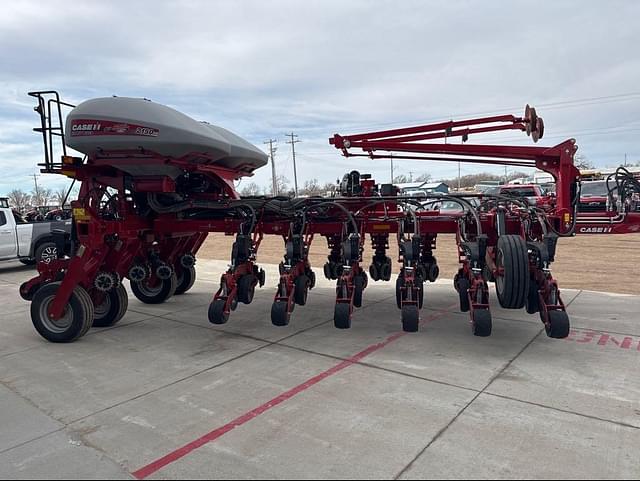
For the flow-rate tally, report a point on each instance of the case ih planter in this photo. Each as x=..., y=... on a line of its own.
x=155, y=182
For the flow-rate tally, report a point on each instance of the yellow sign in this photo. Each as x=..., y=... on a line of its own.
x=80, y=214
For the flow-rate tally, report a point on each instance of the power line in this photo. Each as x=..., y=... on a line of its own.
x=293, y=143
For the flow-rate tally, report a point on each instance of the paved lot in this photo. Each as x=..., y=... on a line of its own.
x=167, y=395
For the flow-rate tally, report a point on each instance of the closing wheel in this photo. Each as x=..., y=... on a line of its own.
x=559, y=325
x=76, y=318
x=185, y=279
x=410, y=318
x=358, y=290
x=533, y=299
x=279, y=314
x=512, y=281
x=216, y=312
x=342, y=316
x=399, y=286
x=157, y=294
x=462, y=287
x=301, y=290
x=246, y=288
x=481, y=323
x=112, y=309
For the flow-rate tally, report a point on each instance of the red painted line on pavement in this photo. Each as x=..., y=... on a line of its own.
x=179, y=453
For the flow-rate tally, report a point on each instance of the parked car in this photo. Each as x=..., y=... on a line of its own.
x=532, y=193
x=593, y=196
x=29, y=242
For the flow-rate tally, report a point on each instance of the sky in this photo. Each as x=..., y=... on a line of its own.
x=266, y=68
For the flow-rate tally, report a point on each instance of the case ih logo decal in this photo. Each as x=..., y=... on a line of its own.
x=83, y=127
x=596, y=230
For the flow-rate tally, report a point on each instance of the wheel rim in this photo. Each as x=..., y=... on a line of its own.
x=147, y=290
x=56, y=326
x=104, y=308
x=49, y=254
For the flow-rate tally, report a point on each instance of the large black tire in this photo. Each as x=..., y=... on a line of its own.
x=481, y=325
x=75, y=322
x=185, y=280
x=512, y=288
x=559, y=326
x=301, y=289
x=112, y=309
x=246, y=288
x=410, y=318
x=154, y=295
x=46, y=252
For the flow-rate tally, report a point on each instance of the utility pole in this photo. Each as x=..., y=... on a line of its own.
x=293, y=150
x=36, y=188
x=272, y=153
x=625, y=160
x=391, y=157
x=410, y=176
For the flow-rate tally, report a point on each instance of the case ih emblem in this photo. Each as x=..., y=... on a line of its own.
x=105, y=127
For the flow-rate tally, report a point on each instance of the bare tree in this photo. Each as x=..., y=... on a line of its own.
x=400, y=179
x=19, y=199
x=282, y=184
x=582, y=163
x=59, y=196
x=311, y=188
x=424, y=178
x=250, y=190
x=40, y=196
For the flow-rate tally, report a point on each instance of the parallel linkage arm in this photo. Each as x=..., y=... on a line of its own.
x=557, y=160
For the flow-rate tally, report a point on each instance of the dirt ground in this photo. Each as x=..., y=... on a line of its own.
x=607, y=263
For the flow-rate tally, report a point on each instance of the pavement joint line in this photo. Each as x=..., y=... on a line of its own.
x=37, y=438
x=564, y=411
x=211, y=436
x=441, y=432
x=173, y=383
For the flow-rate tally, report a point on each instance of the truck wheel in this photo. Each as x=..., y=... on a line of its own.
x=46, y=252
x=512, y=261
x=186, y=279
x=113, y=307
x=157, y=294
x=75, y=321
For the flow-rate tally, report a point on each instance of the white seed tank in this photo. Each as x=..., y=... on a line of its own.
x=122, y=123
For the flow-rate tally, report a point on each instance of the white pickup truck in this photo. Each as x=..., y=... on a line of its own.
x=27, y=242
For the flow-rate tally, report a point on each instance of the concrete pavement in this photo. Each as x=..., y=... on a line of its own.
x=166, y=395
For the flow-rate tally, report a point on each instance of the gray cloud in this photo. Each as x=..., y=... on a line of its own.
x=317, y=67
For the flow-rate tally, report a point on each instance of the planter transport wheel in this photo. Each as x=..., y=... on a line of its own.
x=358, y=289
x=463, y=292
x=512, y=261
x=76, y=319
